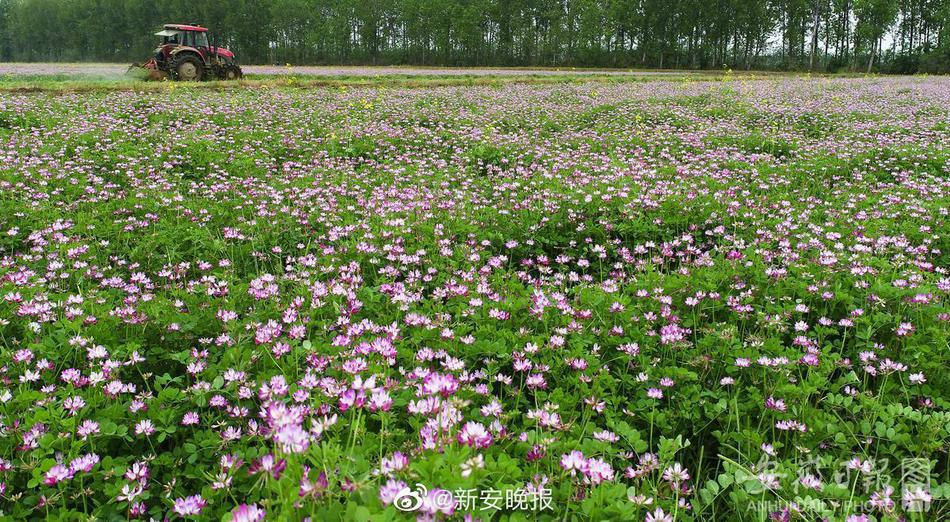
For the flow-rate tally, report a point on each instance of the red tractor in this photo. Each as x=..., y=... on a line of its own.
x=185, y=54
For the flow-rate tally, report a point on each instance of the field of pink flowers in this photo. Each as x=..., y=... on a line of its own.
x=645, y=301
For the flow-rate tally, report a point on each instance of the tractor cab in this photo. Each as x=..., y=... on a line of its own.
x=187, y=54
x=190, y=35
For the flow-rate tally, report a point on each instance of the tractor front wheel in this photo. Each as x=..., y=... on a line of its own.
x=187, y=68
x=233, y=72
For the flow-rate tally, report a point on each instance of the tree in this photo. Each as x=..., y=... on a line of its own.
x=620, y=33
x=4, y=30
x=874, y=19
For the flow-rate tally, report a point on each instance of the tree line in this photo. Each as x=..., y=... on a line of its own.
x=821, y=35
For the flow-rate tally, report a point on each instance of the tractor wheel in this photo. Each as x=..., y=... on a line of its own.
x=186, y=68
x=232, y=72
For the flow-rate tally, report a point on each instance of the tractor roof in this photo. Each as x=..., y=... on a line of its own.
x=186, y=27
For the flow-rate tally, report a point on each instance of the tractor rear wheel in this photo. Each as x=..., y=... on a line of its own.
x=187, y=68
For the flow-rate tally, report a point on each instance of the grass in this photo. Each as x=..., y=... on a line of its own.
x=24, y=83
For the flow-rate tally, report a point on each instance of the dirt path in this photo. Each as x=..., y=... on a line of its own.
x=114, y=70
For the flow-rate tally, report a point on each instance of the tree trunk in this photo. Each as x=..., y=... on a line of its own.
x=814, y=39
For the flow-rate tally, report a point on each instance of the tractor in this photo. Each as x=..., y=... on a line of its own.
x=186, y=54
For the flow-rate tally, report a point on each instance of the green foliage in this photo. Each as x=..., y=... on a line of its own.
x=665, y=256
x=819, y=35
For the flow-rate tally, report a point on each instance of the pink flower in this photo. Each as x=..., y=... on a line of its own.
x=313, y=487
x=389, y=490
x=439, y=384
x=882, y=499
x=189, y=505
x=263, y=287
x=269, y=464
x=904, y=330
x=398, y=462
x=675, y=473
x=775, y=404
x=57, y=474
x=137, y=509
x=84, y=463
x=475, y=435
x=574, y=462
x=73, y=404
x=292, y=439
x=137, y=472
x=599, y=470
x=658, y=516
x=144, y=427
x=87, y=428
x=247, y=513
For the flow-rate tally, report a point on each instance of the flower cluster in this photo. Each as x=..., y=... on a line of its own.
x=648, y=300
